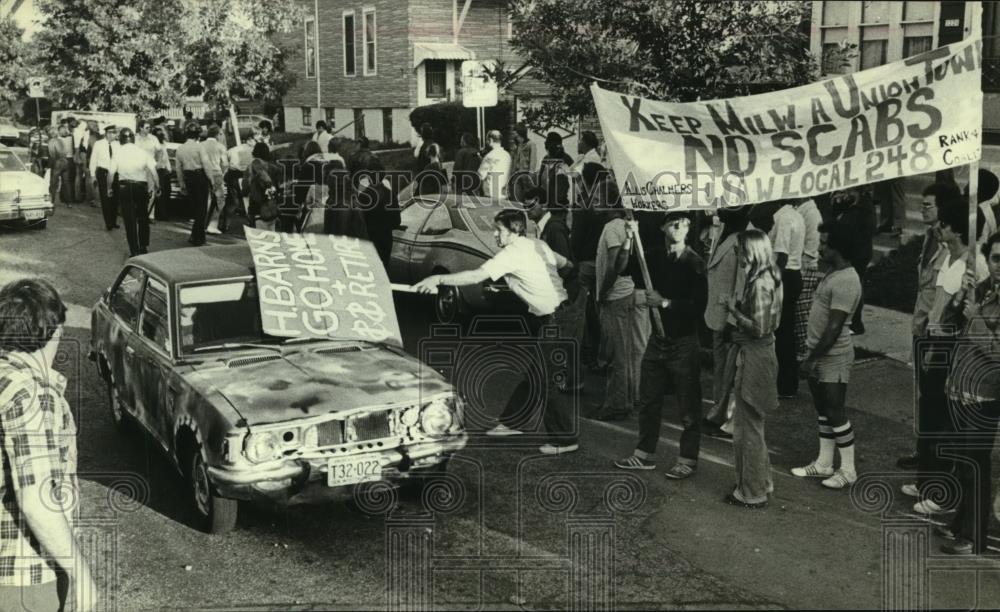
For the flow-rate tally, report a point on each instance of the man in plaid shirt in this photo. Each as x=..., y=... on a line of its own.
x=40, y=559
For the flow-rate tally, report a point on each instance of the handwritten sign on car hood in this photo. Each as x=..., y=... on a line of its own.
x=322, y=286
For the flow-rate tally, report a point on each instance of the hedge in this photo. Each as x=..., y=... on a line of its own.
x=450, y=119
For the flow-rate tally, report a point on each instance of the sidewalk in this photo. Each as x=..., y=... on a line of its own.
x=887, y=332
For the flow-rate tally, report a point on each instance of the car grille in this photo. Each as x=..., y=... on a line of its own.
x=373, y=426
x=330, y=433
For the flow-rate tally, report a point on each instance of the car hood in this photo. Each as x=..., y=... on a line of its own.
x=29, y=183
x=272, y=388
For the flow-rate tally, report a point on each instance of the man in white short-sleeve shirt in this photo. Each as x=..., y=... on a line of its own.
x=788, y=241
x=531, y=269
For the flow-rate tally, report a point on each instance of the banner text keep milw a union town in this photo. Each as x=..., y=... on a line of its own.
x=914, y=116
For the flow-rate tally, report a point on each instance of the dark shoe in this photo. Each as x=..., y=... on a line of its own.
x=732, y=501
x=909, y=462
x=115, y=226
x=143, y=251
x=195, y=243
x=712, y=430
x=787, y=396
x=858, y=330
x=958, y=547
x=617, y=416
x=109, y=227
x=943, y=531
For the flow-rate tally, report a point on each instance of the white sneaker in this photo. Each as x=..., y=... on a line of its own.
x=213, y=230
x=813, y=470
x=503, y=430
x=552, y=449
x=910, y=490
x=840, y=479
x=926, y=506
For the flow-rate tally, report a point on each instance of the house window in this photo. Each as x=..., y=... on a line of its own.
x=331, y=121
x=874, y=46
x=307, y=116
x=918, y=11
x=835, y=13
x=370, y=49
x=915, y=45
x=386, y=125
x=834, y=59
x=874, y=11
x=435, y=73
x=350, y=69
x=359, y=123
x=311, y=45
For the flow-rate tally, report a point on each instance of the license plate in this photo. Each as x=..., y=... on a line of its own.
x=32, y=215
x=352, y=470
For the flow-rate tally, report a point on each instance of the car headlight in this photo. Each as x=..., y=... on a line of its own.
x=435, y=418
x=262, y=446
x=410, y=417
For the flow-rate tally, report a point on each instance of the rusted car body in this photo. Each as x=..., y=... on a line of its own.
x=244, y=415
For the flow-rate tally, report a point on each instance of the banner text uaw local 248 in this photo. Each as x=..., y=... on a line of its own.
x=918, y=115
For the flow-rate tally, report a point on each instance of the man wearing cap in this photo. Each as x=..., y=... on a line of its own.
x=101, y=157
x=680, y=293
x=138, y=182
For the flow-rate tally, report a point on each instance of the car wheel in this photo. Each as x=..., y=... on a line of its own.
x=114, y=402
x=448, y=304
x=214, y=514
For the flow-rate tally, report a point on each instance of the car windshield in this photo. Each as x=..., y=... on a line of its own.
x=225, y=315
x=9, y=162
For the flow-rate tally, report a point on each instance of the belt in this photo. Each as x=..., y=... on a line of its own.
x=131, y=182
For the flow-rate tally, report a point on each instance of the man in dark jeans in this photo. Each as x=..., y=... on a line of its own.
x=788, y=240
x=680, y=292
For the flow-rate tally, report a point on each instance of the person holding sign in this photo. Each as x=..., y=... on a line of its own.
x=679, y=290
x=532, y=270
x=827, y=367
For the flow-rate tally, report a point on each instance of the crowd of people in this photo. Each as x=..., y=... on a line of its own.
x=778, y=285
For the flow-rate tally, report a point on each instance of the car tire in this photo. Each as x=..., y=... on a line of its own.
x=213, y=514
x=449, y=306
x=118, y=415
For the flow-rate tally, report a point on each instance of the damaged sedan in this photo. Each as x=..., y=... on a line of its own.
x=243, y=414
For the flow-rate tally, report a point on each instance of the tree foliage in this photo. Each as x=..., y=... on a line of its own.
x=108, y=55
x=15, y=59
x=680, y=50
x=231, y=47
x=146, y=55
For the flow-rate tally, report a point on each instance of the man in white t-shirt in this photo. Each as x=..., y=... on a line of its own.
x=788, y=241
x=532, y=270
x=494, y=170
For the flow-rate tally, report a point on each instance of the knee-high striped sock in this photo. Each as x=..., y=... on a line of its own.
x=844, y=435
x=826, y=444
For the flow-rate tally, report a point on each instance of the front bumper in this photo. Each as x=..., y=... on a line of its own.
x=22, y=213
x=288, y=479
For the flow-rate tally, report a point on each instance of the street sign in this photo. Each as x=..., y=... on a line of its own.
x=36, y=88
x=478, y=90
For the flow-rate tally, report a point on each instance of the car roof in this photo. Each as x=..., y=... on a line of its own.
x=194, y=264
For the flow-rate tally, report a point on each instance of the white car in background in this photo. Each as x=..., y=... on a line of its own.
x=9, y=133
x=24, y=196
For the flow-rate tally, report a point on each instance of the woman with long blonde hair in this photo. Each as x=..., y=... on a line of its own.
x=754, y=367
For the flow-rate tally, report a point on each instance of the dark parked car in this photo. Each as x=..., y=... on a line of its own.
x=243, y=415
x=450, y=233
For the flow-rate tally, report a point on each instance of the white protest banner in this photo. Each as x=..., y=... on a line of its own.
x=119, y=120
x=914, y=116
x=322, y=286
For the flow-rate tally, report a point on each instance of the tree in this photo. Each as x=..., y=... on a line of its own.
x=111, y=56
x=681, y=50
x=232, y=47
x=15, y=59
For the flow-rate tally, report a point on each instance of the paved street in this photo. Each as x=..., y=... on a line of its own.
x=515, y=528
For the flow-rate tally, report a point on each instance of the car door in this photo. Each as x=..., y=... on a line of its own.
x=152, y=362
x=124, y=301
x=426, y=252
x=404, y=237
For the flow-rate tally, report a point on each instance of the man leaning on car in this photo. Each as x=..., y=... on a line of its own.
x=40, y=560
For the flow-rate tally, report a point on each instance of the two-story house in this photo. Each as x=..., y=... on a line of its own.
x=364, y=66
x=887, y=31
